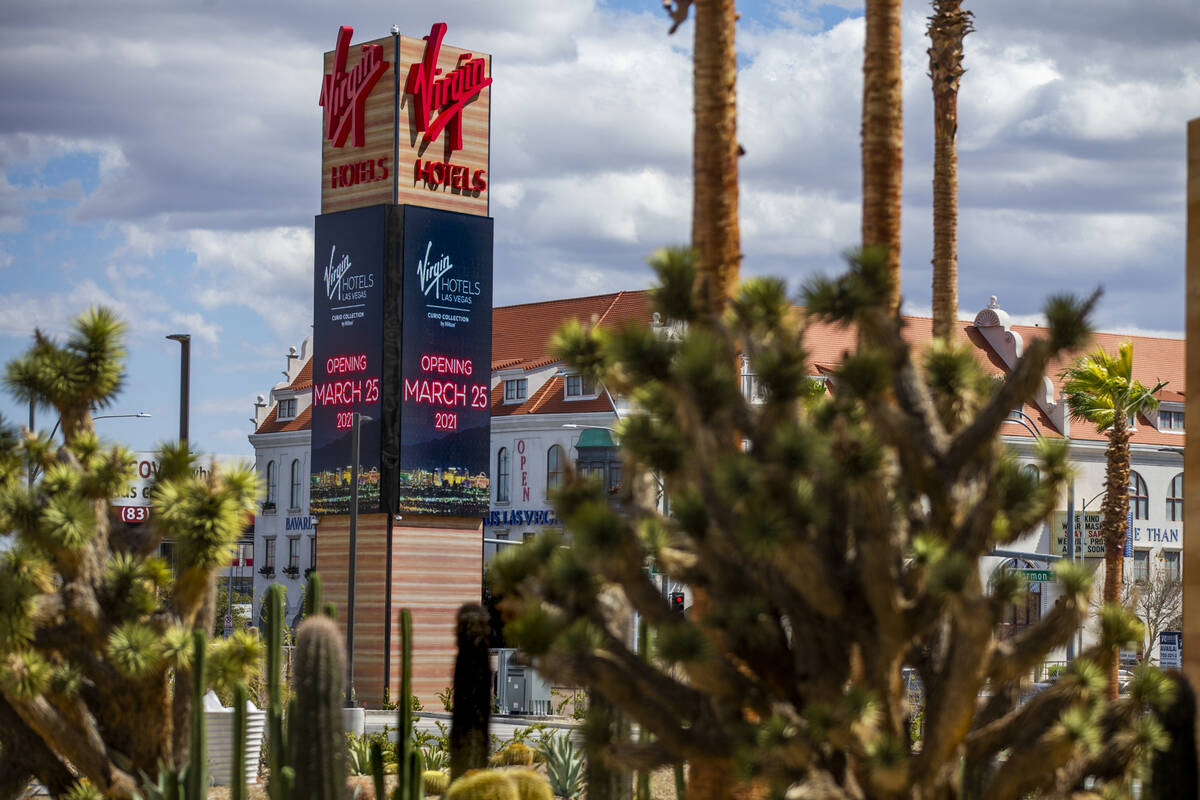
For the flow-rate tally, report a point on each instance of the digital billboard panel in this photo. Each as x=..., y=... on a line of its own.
x=348, y=313
x=446, y=356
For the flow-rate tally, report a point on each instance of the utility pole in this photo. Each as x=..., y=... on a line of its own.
x=185, y=376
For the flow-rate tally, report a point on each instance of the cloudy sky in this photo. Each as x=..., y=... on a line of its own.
x=162, y=158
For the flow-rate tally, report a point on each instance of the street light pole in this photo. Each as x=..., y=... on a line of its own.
x=355, y=430
x=185, y=374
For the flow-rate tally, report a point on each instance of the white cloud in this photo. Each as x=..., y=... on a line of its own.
x=268, y=272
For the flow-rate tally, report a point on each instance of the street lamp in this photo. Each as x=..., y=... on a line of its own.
x=355, y=430
x=138, y=415
x=33, y=471
x=185, y=370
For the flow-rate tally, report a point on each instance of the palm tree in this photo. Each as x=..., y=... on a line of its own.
x=715, y=150
x=947, y=28
x=883, y=135
x=1100, y=389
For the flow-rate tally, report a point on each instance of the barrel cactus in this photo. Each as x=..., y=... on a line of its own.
x=483, y=784
x=530, y=784
x=517, y=754
x=435, y=781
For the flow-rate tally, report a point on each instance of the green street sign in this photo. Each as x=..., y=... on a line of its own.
x=1037, y=575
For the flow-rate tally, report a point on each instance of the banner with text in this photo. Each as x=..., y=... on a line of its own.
x=348, y=292
x=1087, y=534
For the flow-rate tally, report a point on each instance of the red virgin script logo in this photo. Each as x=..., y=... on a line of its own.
x=344, y=94
x=446, y=95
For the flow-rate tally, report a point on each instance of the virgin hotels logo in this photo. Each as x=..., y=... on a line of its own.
x=344, y=94
x=446, y=96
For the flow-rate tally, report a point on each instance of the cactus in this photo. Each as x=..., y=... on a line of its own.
x=435, y=781
x=472, y=692
x=195, y=780
x=312, y=595
x=410, y=767
x=320, y=754
x=517, y=754
x=282, y=775
x=530, y=784
x=484, y=784
x=237, y=781
x=377, y=769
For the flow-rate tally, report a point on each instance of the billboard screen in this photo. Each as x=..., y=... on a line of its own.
x=348, y=310
x=446, y=357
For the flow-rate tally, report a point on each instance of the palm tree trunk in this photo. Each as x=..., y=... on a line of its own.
x=1115, y=525
x=947, y=27
x=715, y=235
x=883, y=135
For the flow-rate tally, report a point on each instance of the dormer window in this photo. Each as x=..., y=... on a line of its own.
x=516, y=390
x=580, y=386
x=287, y=409
x=1170, y=417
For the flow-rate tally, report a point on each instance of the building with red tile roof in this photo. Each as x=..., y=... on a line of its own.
x=546, y=417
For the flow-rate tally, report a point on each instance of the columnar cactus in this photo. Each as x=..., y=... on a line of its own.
x=237, y=781
x=409, y=767
x=196, y=780
x=472, y=692
x=282, y=775
x=320, y=754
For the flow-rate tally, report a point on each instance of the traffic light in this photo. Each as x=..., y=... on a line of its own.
x=677, y=602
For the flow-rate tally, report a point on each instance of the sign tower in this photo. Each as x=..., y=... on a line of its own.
x=402, y=315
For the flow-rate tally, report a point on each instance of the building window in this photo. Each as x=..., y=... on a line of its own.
x=295, y=484
x=312, y=552
x=1139, y=497
x=580, y=386
x=594, y=472
x=269, y=554
x=614, y=477
x=245, y=554
x=1032, y=472
x=1175, y=499
x=287, y=409
x=502, y=475
x=516, y=389
x=555, y=466
x=1171, y=565
x=1170, y=420
x=293, y=552
x=1141, y=566
x=1023, y=612
x=272, y=486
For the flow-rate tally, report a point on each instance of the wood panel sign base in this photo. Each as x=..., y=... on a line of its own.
x=436, y=566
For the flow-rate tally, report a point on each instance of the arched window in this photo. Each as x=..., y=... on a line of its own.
x=1175, y=499
x=1139, y=497
x=272, y=483
x=502, y=475
x=295, y=483
x=1032, y=471
x=555, y=467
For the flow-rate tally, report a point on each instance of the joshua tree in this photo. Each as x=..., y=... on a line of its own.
x=838, y=541
x=92, y=623
x=947, y=28
x=883, y=136
x=1101, y=389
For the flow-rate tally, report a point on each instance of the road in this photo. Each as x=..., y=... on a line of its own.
x=502, y=727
